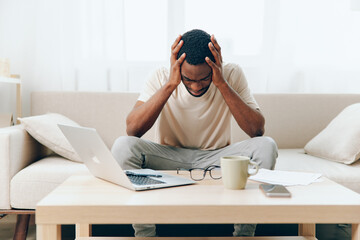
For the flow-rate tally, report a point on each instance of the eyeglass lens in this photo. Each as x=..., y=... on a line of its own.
x=215, y=172
x=198, y=174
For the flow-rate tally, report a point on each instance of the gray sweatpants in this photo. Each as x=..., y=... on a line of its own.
x=133, y=153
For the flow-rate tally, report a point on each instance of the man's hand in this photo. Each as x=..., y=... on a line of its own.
x=250, y=120
x=175, y=74
x=217, y=73
x=144, y=114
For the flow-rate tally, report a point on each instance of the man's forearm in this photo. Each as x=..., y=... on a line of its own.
x=250, y=120
x=144, y=114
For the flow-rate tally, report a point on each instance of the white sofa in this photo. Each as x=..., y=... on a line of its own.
x=28, y=173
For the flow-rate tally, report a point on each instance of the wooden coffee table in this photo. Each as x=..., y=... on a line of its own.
x=84, y=200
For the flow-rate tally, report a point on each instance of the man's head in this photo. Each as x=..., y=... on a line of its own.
x=195, y=72
x=196, y=47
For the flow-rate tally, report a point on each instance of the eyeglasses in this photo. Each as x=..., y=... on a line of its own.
x=198, y=174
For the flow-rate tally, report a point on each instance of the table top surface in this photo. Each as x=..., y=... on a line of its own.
x=326, y=202
x=88, y=190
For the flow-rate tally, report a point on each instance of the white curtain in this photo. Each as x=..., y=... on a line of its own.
x=113, y=45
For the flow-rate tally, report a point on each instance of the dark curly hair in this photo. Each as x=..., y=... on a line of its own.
x=196, y=47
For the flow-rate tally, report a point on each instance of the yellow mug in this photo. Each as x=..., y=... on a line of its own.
x=235, y=171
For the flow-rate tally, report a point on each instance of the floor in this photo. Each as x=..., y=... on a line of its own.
x=323, y=231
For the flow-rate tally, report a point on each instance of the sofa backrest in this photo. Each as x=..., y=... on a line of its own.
x=291, y=119
x=105, y=111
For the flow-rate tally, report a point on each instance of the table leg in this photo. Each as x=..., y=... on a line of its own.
x=48, y=232
x=307, y=229
x=83, y=230
x=355, y=229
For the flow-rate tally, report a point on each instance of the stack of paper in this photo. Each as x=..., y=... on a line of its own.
x=285, y=178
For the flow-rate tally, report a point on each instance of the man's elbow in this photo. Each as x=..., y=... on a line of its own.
x=259, y=132
x=259, y=126
x=132, y=130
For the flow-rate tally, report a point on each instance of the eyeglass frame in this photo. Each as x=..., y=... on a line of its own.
x=207, y=169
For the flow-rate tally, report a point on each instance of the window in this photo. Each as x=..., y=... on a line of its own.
x=238, y=25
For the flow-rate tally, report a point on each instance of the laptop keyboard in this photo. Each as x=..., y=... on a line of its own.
x=143, y=180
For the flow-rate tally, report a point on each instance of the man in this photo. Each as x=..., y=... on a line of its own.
x=193, y=103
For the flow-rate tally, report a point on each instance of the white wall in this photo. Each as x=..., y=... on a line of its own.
x=113, y=45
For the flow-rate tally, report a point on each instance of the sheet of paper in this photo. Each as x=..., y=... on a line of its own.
x=285, y=178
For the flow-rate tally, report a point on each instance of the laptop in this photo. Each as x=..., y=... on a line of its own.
x=102, y=164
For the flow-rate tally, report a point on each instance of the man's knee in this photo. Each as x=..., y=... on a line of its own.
x=126, y=150
x=269, y=145
x=267, y=151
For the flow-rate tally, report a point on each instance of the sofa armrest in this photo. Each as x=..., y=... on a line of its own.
x=17, y=150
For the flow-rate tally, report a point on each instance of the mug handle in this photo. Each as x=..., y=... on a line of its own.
x=256, y=166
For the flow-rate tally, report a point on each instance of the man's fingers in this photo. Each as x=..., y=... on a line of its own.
x=176, y=50
x=210, y=63
x=215, y=53
x=181, y=58
x=216, y=44
x=177, y=40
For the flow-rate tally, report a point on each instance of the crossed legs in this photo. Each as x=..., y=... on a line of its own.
x=134, y=153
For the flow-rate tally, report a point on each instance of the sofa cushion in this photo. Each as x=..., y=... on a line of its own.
x=340, y=140
x=297, y=160
x=34, y=182
x=44, y=128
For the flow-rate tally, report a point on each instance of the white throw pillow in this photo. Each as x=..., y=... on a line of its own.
x=340, y=140
x=45, y=130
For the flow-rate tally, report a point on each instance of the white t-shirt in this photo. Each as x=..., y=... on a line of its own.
x=196, y=122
